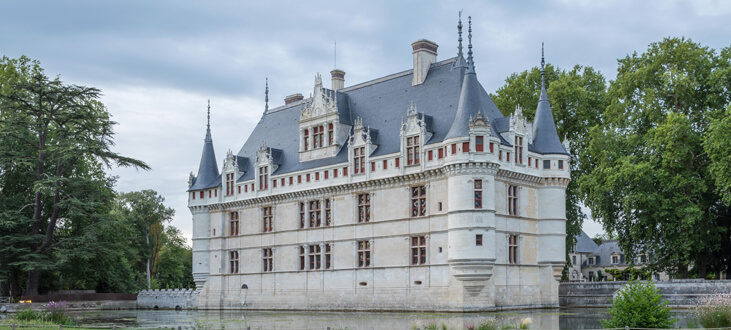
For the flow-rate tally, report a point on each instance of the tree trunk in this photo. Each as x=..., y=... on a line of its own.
x=34, y=279
x=701, y=266
x=682, y=271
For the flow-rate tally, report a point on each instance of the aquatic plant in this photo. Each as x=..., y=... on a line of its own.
x=53, y=313
x=714, y=311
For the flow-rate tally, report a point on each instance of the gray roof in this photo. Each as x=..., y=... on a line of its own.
x=584, y=244
x=604, y=252
x=473, y=99
x=545, y=136
x=208, y=176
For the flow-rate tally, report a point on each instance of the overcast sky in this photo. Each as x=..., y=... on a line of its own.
x=158, y=62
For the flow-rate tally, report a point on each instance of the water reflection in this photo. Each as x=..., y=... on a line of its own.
x=541, y=319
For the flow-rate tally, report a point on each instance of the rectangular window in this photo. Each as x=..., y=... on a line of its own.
x=431, y=155
x=345, y=171
x=291, y=180
x=454, y=148
x=267, y=260
x=373, y=166
x=478, y=240
x=215, y=192
x=193, y=194
x=536, y=162
x=364, y=254
x=315, y=257
x=465, y=147
x=335, y=173
x=615, y=259
x=530, y=161
x=479, y=144
x=307, y=139
x=308, y=177
x=364, y=208
x=299, y=178
x=478, y=194
x=328, y=256
x=263, y=177
x=385, y=164
x=500, y=155
x=326, y=174
x=492, y=147
x=398, y=162
x=267, y=219
x=303, y=215
x=418, y=250
x=546, y=164
x=573, y=260
x=328, y=213
x=209, y=194
x=315, y=214
x=519, y=150
x=441, y=153
x=303, y=257
x=233, y=257
x=330, y=134
x=317, y=176
x=418, y=201
x=239, y=189
x=512, y=200
x=507, y=158
x=513, y=249
x=316, y=137
x=274, y=183
x=229, y=184
x=319, y=136
x=359, y=160
x=560, y=164
x=412, y=150
x=246, y=188
x=234, y=224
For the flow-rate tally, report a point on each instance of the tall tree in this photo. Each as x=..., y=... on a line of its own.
x=66, y=135
x=578, y=98
x=146, y=213
x=649, y=179
x=175, y=268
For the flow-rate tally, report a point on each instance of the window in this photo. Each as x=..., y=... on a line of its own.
x=359, y=160
x=364, y=254
x=267, y=219
x=512, y=200
x=274, y=183
x=478, y=194
x=615, y=259
x=328, y=256
x=317, y=176
x=335, y=173
x=364, y=208
x=643, y=258
x=492, y=147
x=201, y=195
x=431, y=155
x=507, y=158
x=303, y=215
x=519, y=150
x=234, y=223
x=326, y=174
x=233, y=257
x=465, y=147
x=385, y=164
x=330, y=134
x=307, y=139
x=303, y=257
x=441, y=153
x=573, y=260
x=229, y=184
x=283, y=182
x=513, y=249
x=479, y=144
x=546, y=164
x=412, y=150
x=193, y=194
x=478, y=240
x=536, y=162
x=398, y=162
x=267, y=260
x=418, y=201
x=500, y=155
x=215, y=192
x=373, y=166
x=345, y=171
x=530, y=160
x=239, y=189
x=209, y=194
x=560, y=164
x=246, y=188
x=418, y=250
x=315, y=214
x=328, y=213
x=291, y=180
x=263, y=177
x=317, y=136
x=454, y=148
x=591, y=261
x=315, y=257
x=299, y=178
x=307, y=176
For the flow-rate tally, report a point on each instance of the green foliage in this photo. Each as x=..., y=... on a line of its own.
x=648, y=178
x=53, y=313
x=639, y=305
x=717, y=145
x=715, y=311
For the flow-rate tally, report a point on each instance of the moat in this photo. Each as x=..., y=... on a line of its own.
x=584, y=318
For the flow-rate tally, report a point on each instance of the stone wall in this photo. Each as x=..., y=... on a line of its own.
x=168, y=299
x=679, y=293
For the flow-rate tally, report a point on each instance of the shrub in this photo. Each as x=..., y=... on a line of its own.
x=715, y=311
x=54, y=313
x=639, y=305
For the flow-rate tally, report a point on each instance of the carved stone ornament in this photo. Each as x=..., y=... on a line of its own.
x=321, y=102
x=230, y=162
x=264, y=156
x=517, y=121
x=414, y=124
x=479, y=120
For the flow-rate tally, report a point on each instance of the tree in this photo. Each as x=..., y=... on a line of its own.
x=59, y=136
x=175, y=268
x=648, y=179
x=578, y=98
x=145, y=212
x=601, y=238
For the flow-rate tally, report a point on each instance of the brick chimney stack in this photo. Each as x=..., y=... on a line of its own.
x=425, y=53
x=338, y=79
x=293, y=98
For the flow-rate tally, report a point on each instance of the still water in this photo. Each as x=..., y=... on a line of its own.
x=540, y=319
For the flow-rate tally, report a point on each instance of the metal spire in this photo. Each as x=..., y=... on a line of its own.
x=208, y=125
x=470, y=60
x=459, y=31
x=543, y=69
x=266, y=96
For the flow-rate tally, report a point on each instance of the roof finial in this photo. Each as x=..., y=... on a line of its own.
x=208, y=125
x=335, y=55
x=470, y=60
x=266, y=96
x=543, y=69
x=459, y=31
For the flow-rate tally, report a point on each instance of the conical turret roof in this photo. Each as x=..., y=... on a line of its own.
x=208, y=175
x=545, y=136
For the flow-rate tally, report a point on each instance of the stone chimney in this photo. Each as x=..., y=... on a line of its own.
x=338, y=79
x=425, y=53
x=293, y=98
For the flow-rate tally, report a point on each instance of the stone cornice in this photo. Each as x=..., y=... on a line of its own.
x=471, y=168
x=525, y=179
x=559, y=182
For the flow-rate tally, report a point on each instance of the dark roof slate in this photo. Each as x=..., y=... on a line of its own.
x=584, y=244
x=545, y=136
x=208, y=176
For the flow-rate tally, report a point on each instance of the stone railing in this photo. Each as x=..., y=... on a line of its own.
x=168, y=299
x=678, y=293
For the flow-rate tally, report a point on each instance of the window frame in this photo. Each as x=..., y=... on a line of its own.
x=364, y=207
x=233, y=257
x=478, y=193
x=514, y=249
x=364, y=254
x=267, y=217
x=418, y=195
x=267, y=260
x=513, y=195
x=234, y=223
x=418, y=251
x=413, y=150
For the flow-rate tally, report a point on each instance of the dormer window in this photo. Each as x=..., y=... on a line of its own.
x=229, y=184
x=412, y=150
x=263, y=177
x=321, y=132
x=479, y=144
x=307, y=139
x=330, y=134
x=519, y=150
x=318, y=136
x=359, y=160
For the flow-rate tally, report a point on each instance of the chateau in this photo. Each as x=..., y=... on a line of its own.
x=407, y=192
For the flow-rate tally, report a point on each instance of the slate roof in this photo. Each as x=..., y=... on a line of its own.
x=545, y=136
x=584, y=244
x=604, y=252
x=208, y=176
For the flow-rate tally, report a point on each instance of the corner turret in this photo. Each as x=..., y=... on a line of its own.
x=208, y=169
x=545, y=136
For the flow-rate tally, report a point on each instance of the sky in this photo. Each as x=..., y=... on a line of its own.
x=159, y=62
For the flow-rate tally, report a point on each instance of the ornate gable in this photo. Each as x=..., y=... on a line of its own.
x=320, y=103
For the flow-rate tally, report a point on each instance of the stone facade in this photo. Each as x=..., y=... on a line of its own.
x=167, y=299
x=390, y=217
